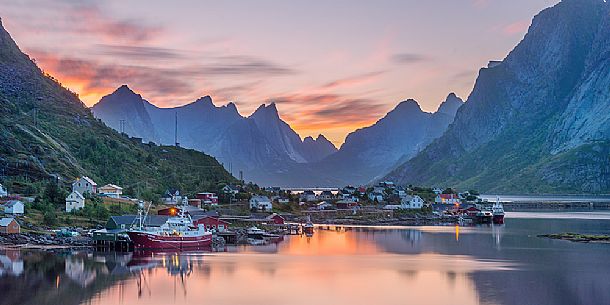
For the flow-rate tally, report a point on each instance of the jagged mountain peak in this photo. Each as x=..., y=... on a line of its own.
x=322, y=137
x=266, y=110
x=451, y=104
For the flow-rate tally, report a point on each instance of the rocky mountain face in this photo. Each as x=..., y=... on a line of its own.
x=537, y=121
x=268, y=151
x=317, y=149
x=47, y=132
x=262, y=146
x=373, y=151
x=129, y=115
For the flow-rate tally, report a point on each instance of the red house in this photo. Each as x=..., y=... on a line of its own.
x=277, y=219
x=195, y=203
x=346, y=205
x=212, y=223
x=207, y=198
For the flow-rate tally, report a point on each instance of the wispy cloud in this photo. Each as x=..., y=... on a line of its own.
x=244, y=65
x=357, y=80
x=409, y=58
x=139, y=52
x=80, y=18
x=94, y=79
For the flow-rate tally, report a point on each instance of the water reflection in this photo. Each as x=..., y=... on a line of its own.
x=428, y=265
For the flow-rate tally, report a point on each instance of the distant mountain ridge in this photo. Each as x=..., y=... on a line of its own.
x=267, y=150
x=537, y=122
x=262, y=146
x=373, y=151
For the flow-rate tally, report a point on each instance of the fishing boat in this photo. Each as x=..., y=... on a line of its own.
x=255, y=233
x=177, y=233
x=308, y=227
x=484, y=216
x=498, y=212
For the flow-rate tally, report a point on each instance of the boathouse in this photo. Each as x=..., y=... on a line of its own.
x=126, y=221
x=212, y=223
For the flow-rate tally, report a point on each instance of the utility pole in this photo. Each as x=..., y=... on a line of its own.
x=176, y=131
x=122, y=126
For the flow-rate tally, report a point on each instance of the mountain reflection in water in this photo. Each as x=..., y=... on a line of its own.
x=425, y=265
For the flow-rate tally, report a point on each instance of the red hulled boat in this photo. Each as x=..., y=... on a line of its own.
x=498, y=212
x=177, y=233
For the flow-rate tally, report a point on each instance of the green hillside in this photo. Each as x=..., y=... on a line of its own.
x=47, y=132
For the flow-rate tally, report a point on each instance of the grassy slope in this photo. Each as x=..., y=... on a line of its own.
x=46, y=130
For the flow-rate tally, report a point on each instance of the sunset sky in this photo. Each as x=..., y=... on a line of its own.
x=331, y=66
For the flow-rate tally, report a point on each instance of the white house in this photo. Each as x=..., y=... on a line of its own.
x=3, y=191
x=376, y=196
x=309, y=196
x=411, y=202
x=14, y=207
x=74, y=201
x=84, y=184
x=262, y=203
x=324, y=206
x=111, y=190
x=230, y=189
x=326, y=195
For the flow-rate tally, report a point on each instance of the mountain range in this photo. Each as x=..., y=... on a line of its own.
x=267, y=150
x=47, y=133
x=536, y=122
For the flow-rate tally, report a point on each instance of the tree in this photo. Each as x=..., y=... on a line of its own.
x=448, y=191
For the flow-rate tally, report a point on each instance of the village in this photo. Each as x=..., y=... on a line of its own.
x=99, y=216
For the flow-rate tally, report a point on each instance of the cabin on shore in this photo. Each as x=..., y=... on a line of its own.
x=9, y=225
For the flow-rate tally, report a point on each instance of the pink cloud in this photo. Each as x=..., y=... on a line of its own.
x=515, y=28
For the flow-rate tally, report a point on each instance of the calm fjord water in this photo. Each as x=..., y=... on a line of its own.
x=422, y=265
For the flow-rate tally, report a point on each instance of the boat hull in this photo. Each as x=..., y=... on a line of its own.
x=308, y=229
x=143, y=240
x=498, y=219
x=483, y=219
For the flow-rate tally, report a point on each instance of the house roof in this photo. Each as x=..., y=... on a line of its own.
x=448, y=196
x=151, y=220
x=112, y=186
x=212, y=217
x=11, y=203
x=260, y=198
x=4, y=222
x=77, y=194
x=88, y=180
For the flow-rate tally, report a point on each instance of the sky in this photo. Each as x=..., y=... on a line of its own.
x=331, y=66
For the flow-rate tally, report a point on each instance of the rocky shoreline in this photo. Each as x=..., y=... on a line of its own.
x=43, y=241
